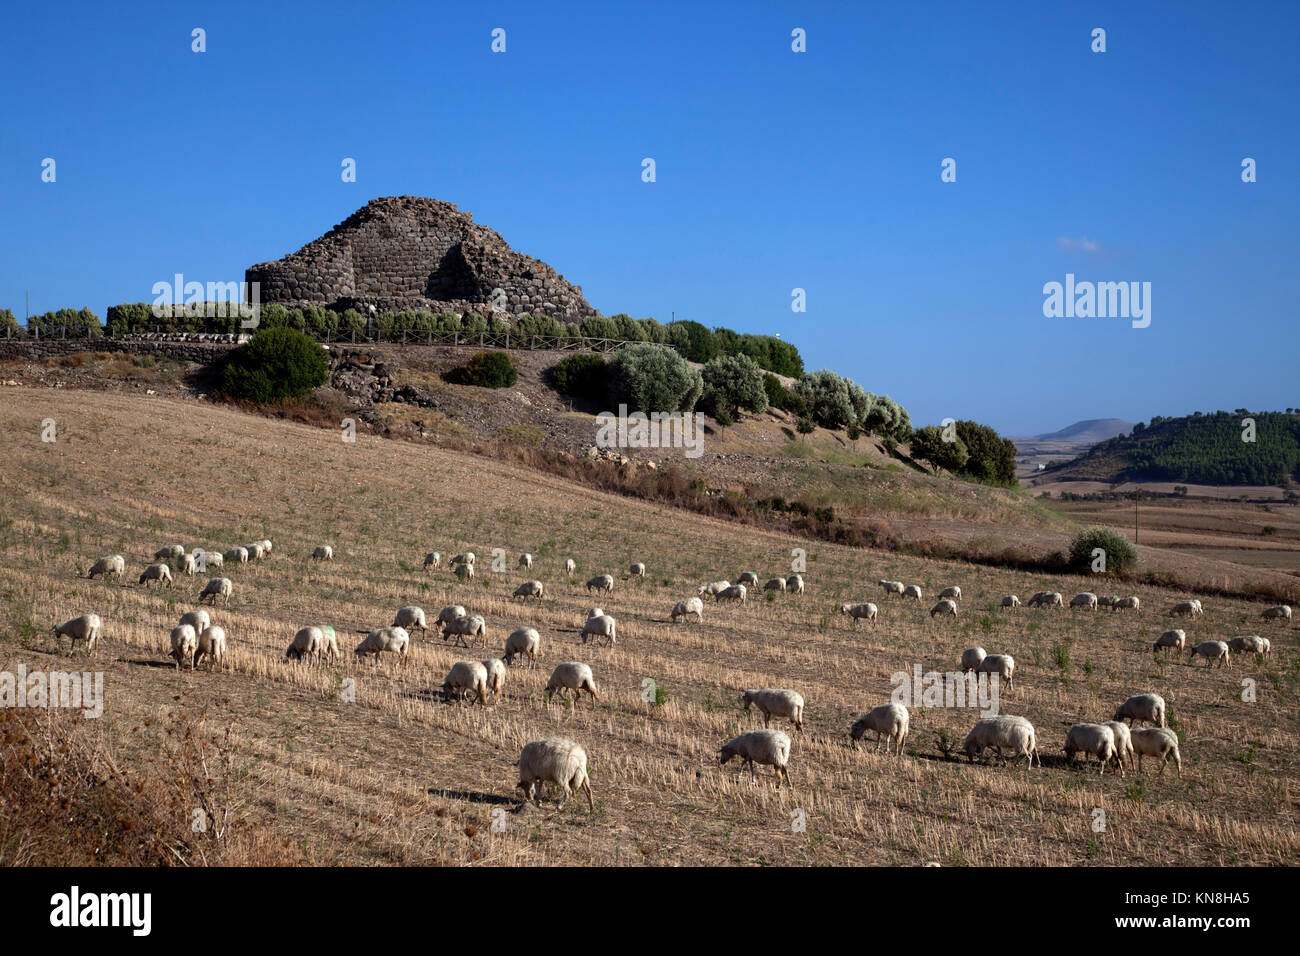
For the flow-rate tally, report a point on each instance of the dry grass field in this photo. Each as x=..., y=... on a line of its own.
x=398, y=776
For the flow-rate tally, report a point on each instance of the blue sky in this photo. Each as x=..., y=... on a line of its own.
x=775, y=171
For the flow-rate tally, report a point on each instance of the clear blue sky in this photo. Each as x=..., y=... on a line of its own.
x=776, y=170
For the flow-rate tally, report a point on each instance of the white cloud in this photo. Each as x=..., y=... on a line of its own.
x=1082, y=244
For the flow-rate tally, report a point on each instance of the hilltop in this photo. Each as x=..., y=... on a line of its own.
x=1091, y=430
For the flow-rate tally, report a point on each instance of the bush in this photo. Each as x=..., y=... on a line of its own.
x=693, y=340
x=732, y=383
x=1120, y=554
x=827, y=395
x=276, y=364
x=599, y=327
x=489, y=370
x=928, y=445
x=582, y=376
x=651, y=378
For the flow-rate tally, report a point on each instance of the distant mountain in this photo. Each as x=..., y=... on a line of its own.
x=1090, y=431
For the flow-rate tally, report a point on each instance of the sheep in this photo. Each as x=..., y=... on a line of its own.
x=169, y=552
x=187, y=564
x=496, y=676
x=636, y=570
x=306, y=643
x=255, y=550
x=713, y=588
x=1186, y=609
x=266, y=545
x=323, y=552
x=602, y=625
x=523, y=642
x=381, y=639
x=776, y=703
x=859, y=611
x=794, y=584
x=971, y=658
x=888, y=721
x=450, y=613
x=529, y=589
x=184, y=644
x=892, y=587
x=1214, y=652
x=1250, y=644
x=1123, y=740
x=736, y=592
x=770, y=747
x=525, y=560
x=1010, y=601
x=84, y=628
x=1003, y=731
x=1004, y=665
x=774, y=584
x=1176, y=639
x=470, y=625
x=465, y=557
x=197, y=619
x=212, y=559
x=601, y=582
x=237, y=555
x=1084, y=599
x=912, y=591
x=1048, y=598
x=557, y=760
x=594, y=612
x=410, y=617
x=1093, y=739
x=432, y=561
x=212, y=644
x=1104, y=601
x=1158, y=742
x=217, y=587
x=946, y=606
x=466, y=677
x=689, y=606
x=570, y=566
x=1281, y=612
x=156, y=572
x=953, y=592
x=572, y=676
x=464, y=571
x=1127, y=602
x=748, y=577
x=329, y=643
x=1148, y=708
x=112, y=565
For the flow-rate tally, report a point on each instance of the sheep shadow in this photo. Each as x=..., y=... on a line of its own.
x=495, y=799
x=149, y=662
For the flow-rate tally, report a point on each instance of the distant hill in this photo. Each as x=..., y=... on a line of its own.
x=1090, y=431
x=1199, y=449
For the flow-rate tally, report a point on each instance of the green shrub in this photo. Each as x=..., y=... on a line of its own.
x=489, y=370
x=693, y=340
x=276, y=364
x=1120, y=554
x=929, y=445
x=829, y=402
x=651, y=378
x=581, y=375
x=732, y=383
x=599, y=327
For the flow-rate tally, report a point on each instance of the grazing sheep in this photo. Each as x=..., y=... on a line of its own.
x=912, y=591
x=237, y=555
x=1004, y=665
x=496, y=676
x=794, y=584
x=1011, y=601
x=770, y=747
x=217, y=587
x=197, y=619
x=865, y=610
x=953, y=592
x=184, y=643
x=971, y=658
x=156, y=572
x=1123, y=740
x=570, y=566
x=774, y=584
x=529, y=589
x=571, y=676
x=84, y=628
x=893, y=587
x=689, y=606
x=1094, y=739
x=255, y=550
x=1046, y=598
x=1250, y=644
x=602, y=625
x=1148, y=708
x=170, y=552
x=108, y=567
x=323, y=552
x=748, y=577
x=211, y=559
x=888, y=722
x=306, y=643
x=1214, y=652
x=557, y=760
x=636, y=570
x=1084, y=599
x=946, y=606
x=1186, y=609
x=212, y=645
x=266, y=545
x=525, y=560
x=594, y=612
x=381, y=639
x=466, y=677
x=465, y=557
x=187, y=565
x=776, y=703
x=601, y=582
x=410, y=617
x=450, y=613
x=1176, y=639
x=736, y=592
x=1015, y=733
x=1281, y=612
x=432, y=561
x=329, y=642
x=1127, y=602
x=1104, y=601
x=523, y=642
x=470, y=625
x=1158, y=742
x=713, y=588
x=464, y=571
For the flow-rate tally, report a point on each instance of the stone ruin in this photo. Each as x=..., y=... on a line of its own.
x=402, y=253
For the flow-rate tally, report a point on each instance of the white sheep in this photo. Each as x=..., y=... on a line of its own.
x=465, y=557
x=1126, y=602
x=893, y=587
x=432, y=561
x=573, y=677
x=748, y=578
x=525, y=560
x=113, y=565
x=156, y=572
x=211, y=559
x=601, y=582
x=1104, y=601
x=187, y=564
x=217, y=587
x=953, y=592
x=323, y=552
x=770, y=747
x=212, y=645
x=170, y=552
x=467, y=677
x=410, y=617
x=1148, y=708
x=774, y=702
x=524, y=642
x=450, y=613
x=470, y=625
x=184, y=644
x=529, y=589
x=557, y=760
x=1015, y=733
x=496, y=676
x=1123, y=740
x=946, y=606
x=602, y=625
x=84, y=628
x=888, y=722
x=736, y=592
x=1094, y=739
x=594, y=612
x=713, y=587
x=794, y=584
x=306, y=643
x=1084, y=599
x=688, y=607
x=864, y=611
x=329, y=642
x=465, y=572
x=972, y=657
x=255, y=550
x=1048, y=598
x=1004, y=665
x=1281, y=612
x=1250, y=644
x=636, y=570
x=1186, y=609
x=1175, y=639
x=1214, y=652
x=570, y=566
x=391, y=639
x=1011, y=601
x=774, y=584
x=1158, y=742
x=237, y=555
x=912, y=591
x=266, y=545
x=197, y=619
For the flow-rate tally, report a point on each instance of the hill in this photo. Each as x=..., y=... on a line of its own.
x=1090, y=430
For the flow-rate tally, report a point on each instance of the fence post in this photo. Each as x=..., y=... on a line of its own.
x=480, y=340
